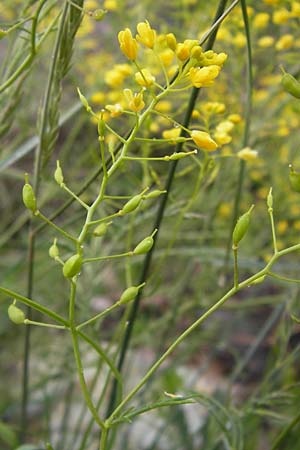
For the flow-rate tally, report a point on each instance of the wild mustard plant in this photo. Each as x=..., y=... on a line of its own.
x=139, y=102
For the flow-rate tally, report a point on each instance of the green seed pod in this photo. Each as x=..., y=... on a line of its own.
x=294, y=178
x=101, y=229
x=144, y=246
x=84, y=101
x=270, y=199
x=154, y=194
x=53, y=250
x=15, y=314
x=101, y=128
x=58, y=174
x=3, y=33
x=131, y=205
x=98, y=14
x=291, y=85
x=72, y=266
x=129, y=294
x=241, y=227
x=29, y=199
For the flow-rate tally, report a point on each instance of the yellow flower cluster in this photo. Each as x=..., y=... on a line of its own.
x=129, y=45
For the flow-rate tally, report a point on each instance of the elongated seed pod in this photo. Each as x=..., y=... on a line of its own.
x=15, y=314
x=100, y=230
x=58, y=174
x=144, y=246
x=291, y=85
x=28, y=196
x=154, y=194
x=53, y=250
x=129, y=294
x=241, y=227
x=72, y=266
x=132, y=204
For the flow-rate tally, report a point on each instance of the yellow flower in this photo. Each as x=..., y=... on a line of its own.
x=203, y=140
x=225, y=127
x=135, y=101
x=115, y=110
x=285, y=42
x=171, y=41
x=203, y=77
x=171, y=134
x=213, y=108
x=295, y=9
x=98, y=98
x=166, y=57
x=281, y=16
x=235, y=118
x=114, y=78
x=163, y=106
x=282, y=226
x=261, y=20
x=265, y=41
x=239, y=40
x=128, y=44
x=182, y=51
x=146, y=35
x=145, y=78
x=222, y=138
x=247, y=154
x=110, y=5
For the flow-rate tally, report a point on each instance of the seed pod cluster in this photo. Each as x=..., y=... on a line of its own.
x=241, y=227
x=72, y=266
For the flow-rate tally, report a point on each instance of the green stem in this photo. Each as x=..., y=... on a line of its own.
x=28, y=60
x=270, y=210
x=57, y=228
x=105, y=258
x=236, y=270
x=282, y=278
x=63, y=186
x=284, y=433
x=78, y=361
x=98, y=316
x=47, y=325
x=103, y=439
x=34, y=305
